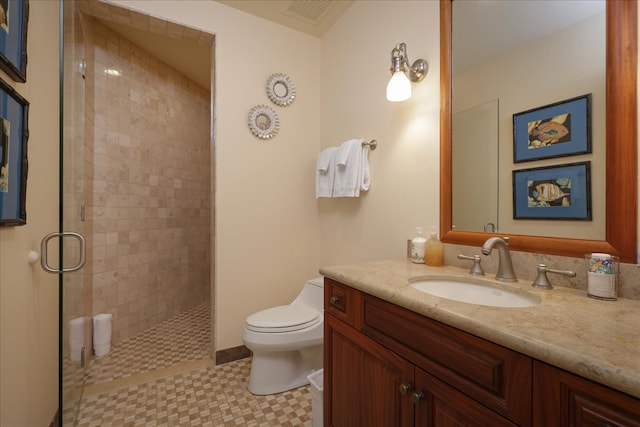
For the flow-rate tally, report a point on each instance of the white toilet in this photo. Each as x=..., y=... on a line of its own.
x=286, y=341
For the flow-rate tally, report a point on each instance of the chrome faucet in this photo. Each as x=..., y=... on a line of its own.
x=505, y=267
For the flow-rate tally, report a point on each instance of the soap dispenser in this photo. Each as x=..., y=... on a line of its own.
x=417, y=246
x=434, y=251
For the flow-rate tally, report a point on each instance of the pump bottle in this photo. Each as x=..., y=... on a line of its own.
x=434, y=251
x=417, y=246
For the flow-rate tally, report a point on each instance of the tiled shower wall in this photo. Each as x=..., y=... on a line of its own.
x=151, y=186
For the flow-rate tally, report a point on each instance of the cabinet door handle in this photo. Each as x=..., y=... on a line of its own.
x=405, y=388
x=417, y=397
x=334, y=300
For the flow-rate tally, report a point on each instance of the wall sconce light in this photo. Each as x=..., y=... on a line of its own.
x=399, y=86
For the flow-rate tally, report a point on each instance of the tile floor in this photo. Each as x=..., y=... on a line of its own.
x=143, y=383
x=180, y=339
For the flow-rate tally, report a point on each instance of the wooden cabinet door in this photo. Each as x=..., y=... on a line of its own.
x=362, y=381
x=444, y=406
x=561, y=399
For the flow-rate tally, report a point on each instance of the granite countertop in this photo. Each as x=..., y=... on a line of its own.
x=598, y=340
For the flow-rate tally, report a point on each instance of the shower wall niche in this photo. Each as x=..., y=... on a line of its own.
x=149, y=175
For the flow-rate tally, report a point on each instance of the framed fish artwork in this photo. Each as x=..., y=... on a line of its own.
x=553, y=192
x=555, y=130
x=14, y=133
x=14, y=15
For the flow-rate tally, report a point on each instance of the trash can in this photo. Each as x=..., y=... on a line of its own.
x=316, y=379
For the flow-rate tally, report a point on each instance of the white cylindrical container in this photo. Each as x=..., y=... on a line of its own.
x=602, y=276
x=102, y=334
x=76, y=338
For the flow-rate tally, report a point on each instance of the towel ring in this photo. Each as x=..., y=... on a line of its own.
x=371, y=144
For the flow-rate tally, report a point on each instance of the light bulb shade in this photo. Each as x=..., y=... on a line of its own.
x=399, y=87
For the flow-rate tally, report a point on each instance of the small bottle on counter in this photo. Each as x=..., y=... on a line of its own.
x=417, y=246
x=434, y=251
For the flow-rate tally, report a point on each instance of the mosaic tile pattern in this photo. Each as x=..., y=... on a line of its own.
x=150, y=178
x=206, y=396
x=182, y=338
x=210, y=396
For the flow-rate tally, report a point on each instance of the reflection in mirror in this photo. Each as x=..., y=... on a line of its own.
x=475, y=168
x=620, y=142
x=498, y=54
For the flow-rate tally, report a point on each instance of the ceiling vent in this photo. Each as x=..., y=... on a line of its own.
x=311, y=10
x=313, y=17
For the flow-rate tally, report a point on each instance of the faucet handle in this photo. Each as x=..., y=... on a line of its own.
x=476, y=269
x=542, y=282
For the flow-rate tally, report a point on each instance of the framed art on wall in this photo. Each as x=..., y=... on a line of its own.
x=14, y=134
x=14, y=16
x=263, y=122
x=555, y=130
x=280, y=89
x=553, y=192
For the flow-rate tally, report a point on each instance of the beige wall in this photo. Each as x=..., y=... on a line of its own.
x=272, y=233
x=28, y=295
x=267, y=240
x=356, y=56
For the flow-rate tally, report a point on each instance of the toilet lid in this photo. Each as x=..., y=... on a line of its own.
x=285, y=318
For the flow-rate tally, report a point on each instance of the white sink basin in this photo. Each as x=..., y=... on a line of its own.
x=475, y=293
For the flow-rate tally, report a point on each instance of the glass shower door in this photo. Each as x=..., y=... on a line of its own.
x=75, y=318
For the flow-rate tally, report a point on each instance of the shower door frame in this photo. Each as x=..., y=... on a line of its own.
x=72, y=295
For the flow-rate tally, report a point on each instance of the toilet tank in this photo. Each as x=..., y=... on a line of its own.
x=312, y=294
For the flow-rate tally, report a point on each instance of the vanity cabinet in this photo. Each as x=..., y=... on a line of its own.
x=562, y=399
x=364, y=379
x=388, y=366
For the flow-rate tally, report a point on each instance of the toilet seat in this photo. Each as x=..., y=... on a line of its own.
x=285, y=318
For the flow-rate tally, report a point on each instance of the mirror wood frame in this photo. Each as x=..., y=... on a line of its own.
x=621, y=150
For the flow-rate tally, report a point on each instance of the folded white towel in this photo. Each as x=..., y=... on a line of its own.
x=348, y=172
x=325, y=172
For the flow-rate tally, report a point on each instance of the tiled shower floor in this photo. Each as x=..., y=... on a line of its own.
x=180, y=339
x=164, y=377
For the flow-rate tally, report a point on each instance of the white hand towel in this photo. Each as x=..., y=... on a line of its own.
x=365, y=177
x=348, y=173
x=346, y=151
x=325, y=172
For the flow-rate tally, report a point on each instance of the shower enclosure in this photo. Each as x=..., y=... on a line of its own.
x=136, y=182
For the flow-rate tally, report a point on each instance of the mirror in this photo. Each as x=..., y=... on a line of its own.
x=621, y=147
x=280, y=89
x=530, y=73
x=263, y=121
x=475, y=151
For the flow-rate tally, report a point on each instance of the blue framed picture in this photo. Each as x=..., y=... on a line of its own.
x=14, y=134
x=14, y=15
x=553, y=192
x=555, y=130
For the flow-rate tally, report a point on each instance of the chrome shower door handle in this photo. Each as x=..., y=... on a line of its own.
x=43, y=251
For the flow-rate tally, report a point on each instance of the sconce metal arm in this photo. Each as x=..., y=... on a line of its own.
x=399, y=59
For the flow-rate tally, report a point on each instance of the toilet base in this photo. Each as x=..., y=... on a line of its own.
x=278, y=371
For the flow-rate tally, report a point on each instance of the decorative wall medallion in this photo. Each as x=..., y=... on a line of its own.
x=280, y=89
x=263, y=121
